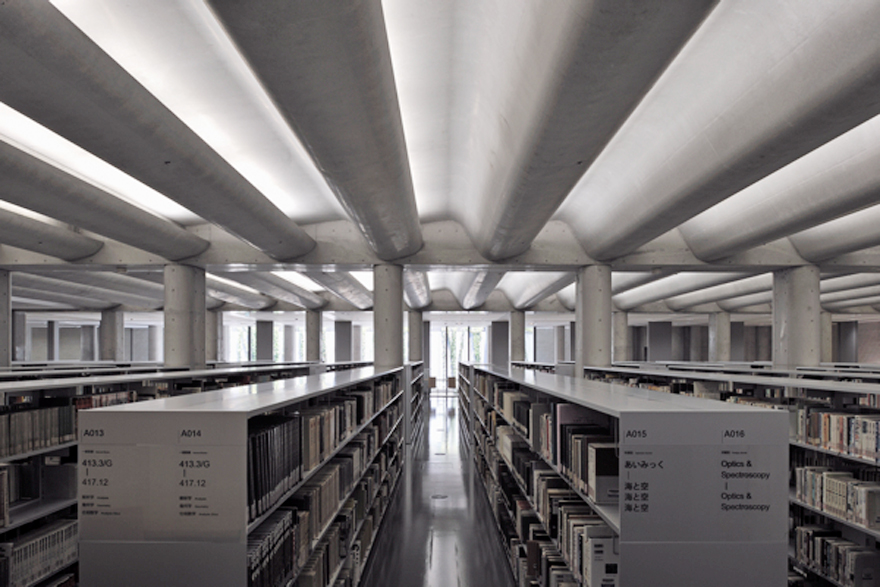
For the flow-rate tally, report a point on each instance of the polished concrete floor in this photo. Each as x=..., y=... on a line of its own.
x=439, y=531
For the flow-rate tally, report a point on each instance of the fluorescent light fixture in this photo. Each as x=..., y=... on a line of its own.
x=179, y=51
x=33, y=138
x=365, y=277
x=234, y=284
x=300, y=280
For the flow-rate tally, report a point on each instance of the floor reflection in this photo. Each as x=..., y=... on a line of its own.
x=439, y=532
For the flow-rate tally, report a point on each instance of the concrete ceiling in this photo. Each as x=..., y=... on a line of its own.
x=490, y=146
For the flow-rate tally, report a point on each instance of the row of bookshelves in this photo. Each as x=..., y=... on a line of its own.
x=619, y=446
x=834, y=440
x=348, y=422
x=38, y=432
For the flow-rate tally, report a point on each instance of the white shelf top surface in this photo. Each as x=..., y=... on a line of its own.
x=610, y=398
x=746, y=379
x=258, y=397
x=64, y=382
x=826, y=370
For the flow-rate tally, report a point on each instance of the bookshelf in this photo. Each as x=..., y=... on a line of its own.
x=416, y=402
x=833, y=441
x=38, y=441
x=728, y=520
x=132, y=530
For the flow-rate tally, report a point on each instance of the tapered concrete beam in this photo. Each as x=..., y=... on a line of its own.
x=59, y=77
x=335, y=86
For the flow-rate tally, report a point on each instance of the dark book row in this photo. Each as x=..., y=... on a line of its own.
x=37, y=555
x=307, y=538
x=822, y=549
x=24, y=431
x=284, y=448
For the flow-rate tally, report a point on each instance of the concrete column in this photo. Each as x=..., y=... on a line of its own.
x=87, y=335
x=765, y=343
x=19, y=337
x=342, y=341
x=750, y=343
x=659, y=341
x=517, y=335
x=5, y=319
x=572, y=340
x=388, y=315
x=545, y=344
x=112, y=336
x=796, y=325
x=499, y=343
x=826, y=345
x=289, y=348
x=416, y=333
x=154, y=343
x=560, y=344
x=213, y=335
x=593, y=318
x=719, y=337
x=622, y=348
x=696, y=345
x=313, y=335
x=184, y=316
x=265, y=340
x=737, y=341
x=848, y=342
x=426, y=346
x=356, y=338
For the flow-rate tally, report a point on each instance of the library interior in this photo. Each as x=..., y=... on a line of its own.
x=368, y=293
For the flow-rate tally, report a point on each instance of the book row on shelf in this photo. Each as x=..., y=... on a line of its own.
x=840, y=493
x=555, y=537
x=824, y=551
x=857, y=435
x=25, y=427
x=39, y=554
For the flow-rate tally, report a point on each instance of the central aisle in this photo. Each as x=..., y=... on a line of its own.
x=439, y=531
